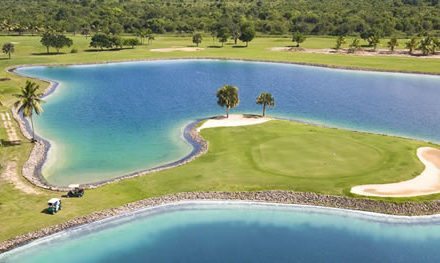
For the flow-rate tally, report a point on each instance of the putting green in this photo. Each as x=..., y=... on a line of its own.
x=312, y=156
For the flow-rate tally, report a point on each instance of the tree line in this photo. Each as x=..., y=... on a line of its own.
x=310, y=17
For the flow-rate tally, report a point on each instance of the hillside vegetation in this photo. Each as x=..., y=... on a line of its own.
x=318, y=17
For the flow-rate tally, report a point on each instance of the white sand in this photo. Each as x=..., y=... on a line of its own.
x=233, y=120
x=171, y=49
x=428, y=182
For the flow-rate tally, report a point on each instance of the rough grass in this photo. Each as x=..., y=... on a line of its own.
x=276, y=155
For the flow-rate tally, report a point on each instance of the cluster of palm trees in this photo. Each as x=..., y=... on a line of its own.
x=227, y=97
x=428, y=45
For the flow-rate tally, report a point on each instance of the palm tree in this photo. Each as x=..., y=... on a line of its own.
x=265, y=99
x=355, y=45
x=227, y=96
x=426, y=45
x=339, y=42
x=8, y=49
x=411, y=45
x=393, y=43
x=29, y=101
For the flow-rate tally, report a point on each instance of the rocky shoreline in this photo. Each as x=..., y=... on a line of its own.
x=279, y=197
x=32, y=168
x=38, y=156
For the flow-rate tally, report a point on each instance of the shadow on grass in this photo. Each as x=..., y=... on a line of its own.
x=6, y=143
x=104, y=50
x=214, y=46
x=48, y=54
x=238, y=46
x=44, y=211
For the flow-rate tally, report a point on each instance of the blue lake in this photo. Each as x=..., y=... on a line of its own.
x=109, y=120
x=238, y=232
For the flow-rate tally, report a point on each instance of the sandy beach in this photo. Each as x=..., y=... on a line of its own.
x=428, y=182
x=232, y=121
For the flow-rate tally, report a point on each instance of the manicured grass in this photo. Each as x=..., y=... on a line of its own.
x=276, y=155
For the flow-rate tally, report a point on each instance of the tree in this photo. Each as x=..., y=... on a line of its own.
x=247, y=33
x=131, y=42
x=392, y=44
x=411, y=45
x=197, y=39
x=235, y=32
x=427, y=45
x=223, y=35
x=85, y=31
x=227, y=96
x=354, y=45
x=373, y=41
x=8, y=49
x=47, y=40
x=265, y=99
x=339, y=42
x=372, y=37
x=29, y=101
x=116, y=41
x=436, y=44
x=59, y=41
x=149, y=35
x=141, y=34
x=101, y=41
x=298, y=38
x=150, y=39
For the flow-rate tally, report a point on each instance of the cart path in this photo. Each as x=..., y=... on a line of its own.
x=10, y=175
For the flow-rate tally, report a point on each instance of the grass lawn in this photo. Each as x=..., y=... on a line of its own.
x=275, y=155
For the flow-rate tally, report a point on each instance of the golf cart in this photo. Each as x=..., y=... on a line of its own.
x=54, y=205
x=75, y=191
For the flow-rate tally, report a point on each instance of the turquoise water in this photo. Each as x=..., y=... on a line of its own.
x=108, y=120
x=212, y=232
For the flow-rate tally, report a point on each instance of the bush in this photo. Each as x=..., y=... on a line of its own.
x=74, y=50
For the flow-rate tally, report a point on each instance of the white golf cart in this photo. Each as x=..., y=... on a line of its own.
x=54, y=205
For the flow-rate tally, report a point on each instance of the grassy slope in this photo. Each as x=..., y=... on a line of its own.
x=20, y=213
x=276, y=155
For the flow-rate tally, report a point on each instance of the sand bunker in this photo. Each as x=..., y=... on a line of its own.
x=171, y=49
x=428, y=182
x=233, y=120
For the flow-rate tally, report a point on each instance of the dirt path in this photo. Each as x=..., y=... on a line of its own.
x=10, y=175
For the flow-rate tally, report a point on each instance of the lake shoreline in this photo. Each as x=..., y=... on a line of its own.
x=421, y=211
x=32, y=169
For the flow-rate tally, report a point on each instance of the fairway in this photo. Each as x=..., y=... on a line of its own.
x=277, y=155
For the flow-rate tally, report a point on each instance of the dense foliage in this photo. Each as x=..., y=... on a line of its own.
x=320, y=17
